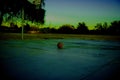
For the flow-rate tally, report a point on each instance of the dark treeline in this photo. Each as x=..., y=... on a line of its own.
x=15, y=29
x=82, y=28
x=102, y=29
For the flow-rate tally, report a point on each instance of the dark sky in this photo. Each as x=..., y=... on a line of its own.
x=61, y=12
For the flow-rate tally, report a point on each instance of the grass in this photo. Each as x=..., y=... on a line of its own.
x=17, y=36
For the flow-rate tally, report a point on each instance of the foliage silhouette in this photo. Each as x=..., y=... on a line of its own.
x=68, y=29
x=82, y=28
x=26, y=28
x=101, y=28
x=45, y=30
x=14, y=8
x=114, y=28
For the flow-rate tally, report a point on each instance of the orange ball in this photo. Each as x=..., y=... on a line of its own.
x=60, y=45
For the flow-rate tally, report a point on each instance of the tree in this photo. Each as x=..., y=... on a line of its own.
x=45, y=30
x=53, y=30
x=114, y=28
x=98, y=27
x=39, y=3
x=14, y=8
x=67, y=29
x=101, y=28
x=82, y=28
x=105, y=26
x=26, y=27
x=13, y=27
x=35, y=12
